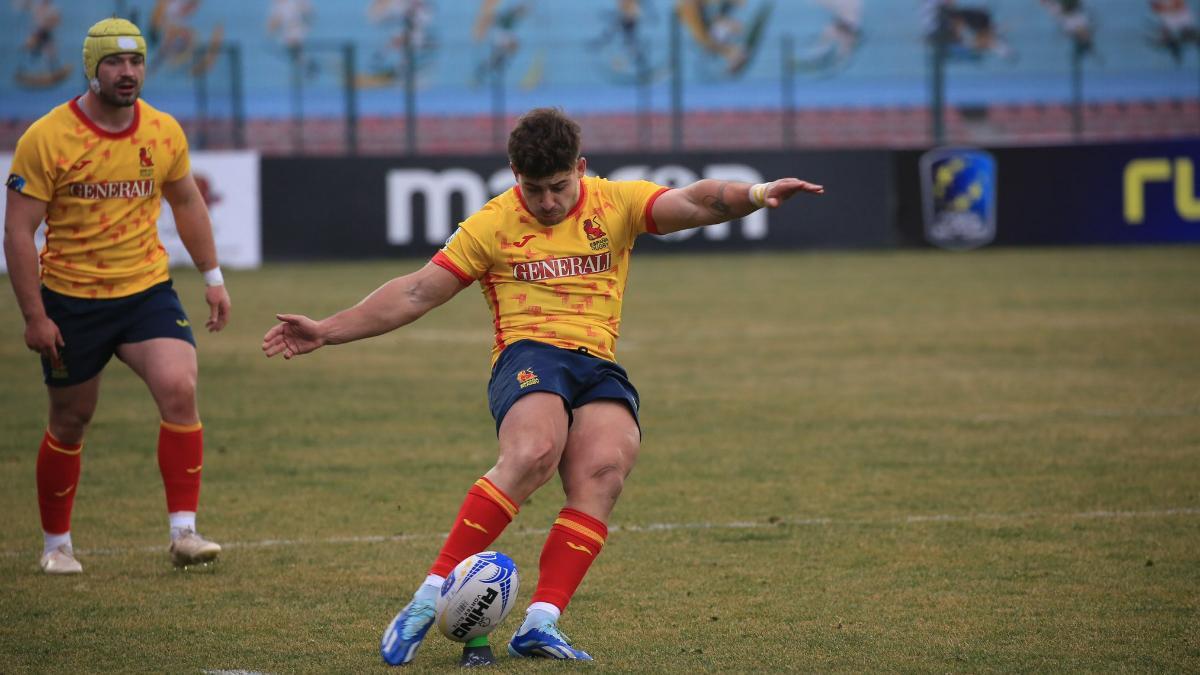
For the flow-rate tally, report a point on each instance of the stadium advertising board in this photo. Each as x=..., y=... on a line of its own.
x=381, y=207
x=229, y=183
x=1139, y=193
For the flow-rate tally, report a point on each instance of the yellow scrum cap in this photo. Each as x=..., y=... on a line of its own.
x=108, y=37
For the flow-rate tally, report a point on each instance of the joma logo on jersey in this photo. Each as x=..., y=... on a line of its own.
x=557, y=268
x=125, y=189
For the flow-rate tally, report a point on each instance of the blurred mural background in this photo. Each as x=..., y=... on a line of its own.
x=434, y=77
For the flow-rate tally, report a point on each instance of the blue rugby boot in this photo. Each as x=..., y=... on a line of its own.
x=404, y=635
x=539, y=637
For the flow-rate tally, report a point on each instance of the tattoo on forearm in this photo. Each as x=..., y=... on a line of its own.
x=716, y=203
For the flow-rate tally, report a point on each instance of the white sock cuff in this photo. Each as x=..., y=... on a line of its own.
x=182, y=520
x=434, y=580
x=546, y=607
x=53, y=541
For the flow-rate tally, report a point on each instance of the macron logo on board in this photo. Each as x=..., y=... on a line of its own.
x=438, y=189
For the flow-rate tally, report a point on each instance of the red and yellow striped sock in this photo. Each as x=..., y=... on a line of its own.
x=574, y=542
x=180, y=459
x=58, y=468
x=484, y=514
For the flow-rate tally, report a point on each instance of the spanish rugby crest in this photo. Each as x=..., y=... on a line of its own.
x=958, y=193
x=597, y=238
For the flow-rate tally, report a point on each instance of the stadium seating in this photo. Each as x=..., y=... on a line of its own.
x=877, y=98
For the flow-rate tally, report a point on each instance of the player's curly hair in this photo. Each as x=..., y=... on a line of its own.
x=544, y=142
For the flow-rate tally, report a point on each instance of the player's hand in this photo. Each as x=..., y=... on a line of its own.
x=779, y=191
x=219, y=307
x=295, y=335
x=42, y=336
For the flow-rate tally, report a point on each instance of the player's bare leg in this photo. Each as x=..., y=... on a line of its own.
x=168, y=367
x=601, y=450
x=72, y=408
x=532, y=438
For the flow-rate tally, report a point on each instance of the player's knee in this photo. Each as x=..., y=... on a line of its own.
x=71, y=416
x=599, y=488
x=608, y=480
x=536, y=460
x=68, y=422
x=177, y=400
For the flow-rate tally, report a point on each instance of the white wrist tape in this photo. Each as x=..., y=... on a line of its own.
x=758, y=194
x=213, y=277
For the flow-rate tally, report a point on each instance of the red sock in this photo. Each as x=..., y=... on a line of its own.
x=574, y=542
x=58, y=467
x=484, y=514
x=180, y=458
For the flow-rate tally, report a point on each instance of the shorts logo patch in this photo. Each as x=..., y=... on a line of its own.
x=58, y=369
x=526, y=378
x=182, y=323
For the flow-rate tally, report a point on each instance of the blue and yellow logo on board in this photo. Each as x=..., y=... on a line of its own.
x=958, y=193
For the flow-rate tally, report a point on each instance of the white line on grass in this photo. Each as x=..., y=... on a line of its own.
x=666, y=527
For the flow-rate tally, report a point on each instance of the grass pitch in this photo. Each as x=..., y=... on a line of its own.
x=913, y=461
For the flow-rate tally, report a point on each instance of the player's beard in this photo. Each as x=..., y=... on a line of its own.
x=112, y=96
x=549, y=218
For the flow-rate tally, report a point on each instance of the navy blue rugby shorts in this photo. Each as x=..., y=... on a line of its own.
x=92, y=329
x=578, y=377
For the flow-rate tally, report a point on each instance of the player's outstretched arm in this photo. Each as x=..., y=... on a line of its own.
x=397, y=303
x=195, y=231
x=711, y=201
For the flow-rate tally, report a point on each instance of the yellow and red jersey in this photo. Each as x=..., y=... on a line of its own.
x=562, y=285
x=103, y=194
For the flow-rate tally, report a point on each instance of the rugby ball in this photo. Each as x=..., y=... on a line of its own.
x=477, y=595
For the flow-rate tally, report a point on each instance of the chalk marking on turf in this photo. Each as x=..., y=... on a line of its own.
x=668, y=527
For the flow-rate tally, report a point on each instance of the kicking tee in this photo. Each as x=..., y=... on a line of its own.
x=562, y=285
x=103, y=194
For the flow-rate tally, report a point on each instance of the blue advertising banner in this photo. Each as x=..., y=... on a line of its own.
x=1137, y=193
x=958, y=198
